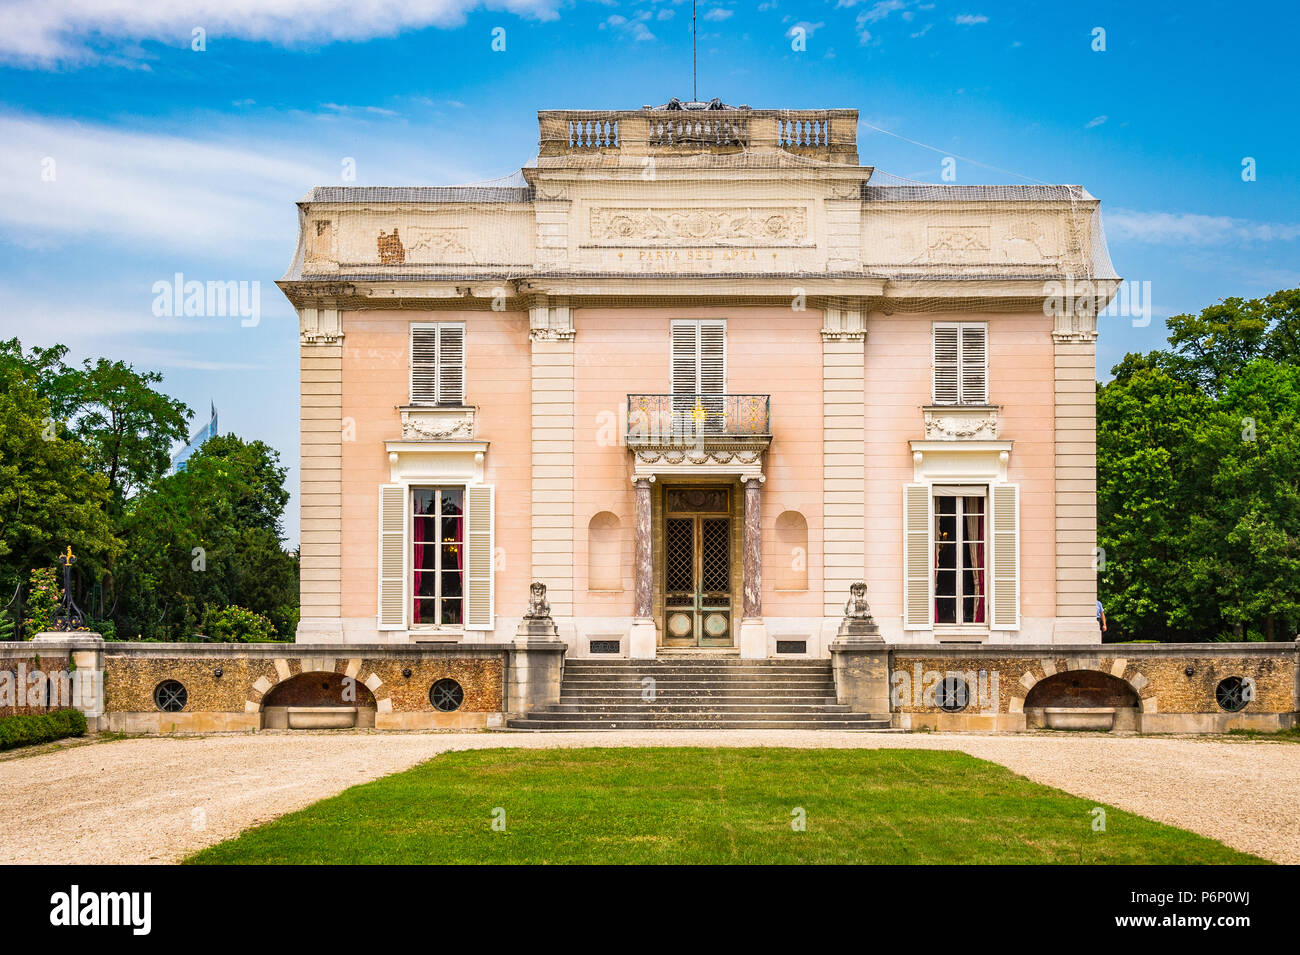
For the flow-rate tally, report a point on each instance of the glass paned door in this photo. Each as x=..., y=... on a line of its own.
x=438, y=556
x=697, y=573
x=960, y=594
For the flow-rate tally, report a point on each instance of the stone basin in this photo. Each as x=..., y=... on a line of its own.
x=1079, y=717
x=322, y=717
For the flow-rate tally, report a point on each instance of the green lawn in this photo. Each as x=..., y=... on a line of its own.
x=711, y=806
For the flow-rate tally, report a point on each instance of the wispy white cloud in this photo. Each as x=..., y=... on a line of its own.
x=1190, y=228
x=43, y=33
x=1096, y=121
x=61, y=179
x=969, y=19
x=718, y=13
x=635, y=27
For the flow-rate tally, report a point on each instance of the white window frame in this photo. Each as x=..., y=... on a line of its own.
x=438, y=486
x=962, y=397
x=959, y=492
x=437, y=328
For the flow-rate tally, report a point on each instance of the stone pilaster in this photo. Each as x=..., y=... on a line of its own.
x=844, y=479
x=321, y=474
x=551, y=331
x=1075, y=414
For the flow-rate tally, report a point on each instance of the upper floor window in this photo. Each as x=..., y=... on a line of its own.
x=438, y=364
x=961, y=363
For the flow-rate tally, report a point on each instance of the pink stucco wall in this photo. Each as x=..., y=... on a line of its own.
x=899, y=384
x=769, y=351
x=376, y=381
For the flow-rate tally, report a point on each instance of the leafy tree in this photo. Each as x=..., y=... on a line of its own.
x=128, y=425
x=1213, y=347
x=200, y=541
x=50, y=495
x=1198, y=457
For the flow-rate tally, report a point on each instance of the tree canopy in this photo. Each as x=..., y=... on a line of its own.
x=84, y=457
x=1198, y=459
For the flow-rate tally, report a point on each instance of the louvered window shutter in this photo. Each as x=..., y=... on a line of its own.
x=451, y=364
x=438, y=364
x=1005, y=561
x=946, y=364
x=479, y=562
x=918, y=557
x=424, y=364
x=392, y=557
x=713, y=358
x=685, y=344
x=974, y=364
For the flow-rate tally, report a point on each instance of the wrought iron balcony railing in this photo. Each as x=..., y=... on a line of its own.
x=688, y=418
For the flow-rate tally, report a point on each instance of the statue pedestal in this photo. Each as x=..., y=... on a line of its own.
x=643, y=640
x=753, y=640
x=860, y=660
x=85, y=651
x=536, y=665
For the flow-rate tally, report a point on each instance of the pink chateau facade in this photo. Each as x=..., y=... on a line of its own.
x=698, y=372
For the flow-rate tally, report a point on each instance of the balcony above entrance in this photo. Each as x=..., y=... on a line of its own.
x=695, y=434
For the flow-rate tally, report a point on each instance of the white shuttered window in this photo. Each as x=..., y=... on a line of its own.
x=392, y=557
x=479, y=506
x=438, y=364
x=960, y=360
x=1005, y=538
x=917, y=559
x=699, y=357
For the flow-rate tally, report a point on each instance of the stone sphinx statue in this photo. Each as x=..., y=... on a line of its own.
x=539, y=608
x=536, y=625
x=856, y=608
x=858, y=626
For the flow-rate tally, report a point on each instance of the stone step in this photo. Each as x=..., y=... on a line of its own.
x=754, y=722
x=666, y=686
x=594, y=697
x=703, y=708
x=694, y=667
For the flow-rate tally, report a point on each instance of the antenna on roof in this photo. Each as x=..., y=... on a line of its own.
x=695, y=82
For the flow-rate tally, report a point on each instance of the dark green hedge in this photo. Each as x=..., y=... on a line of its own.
x=28, y=729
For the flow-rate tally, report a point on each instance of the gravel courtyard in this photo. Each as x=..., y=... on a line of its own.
x=156, y=800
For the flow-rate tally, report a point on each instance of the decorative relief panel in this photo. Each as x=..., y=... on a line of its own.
x=697, y=500
x=750, y=226
x=697, y=456
x=955, y=423
x=437, y=424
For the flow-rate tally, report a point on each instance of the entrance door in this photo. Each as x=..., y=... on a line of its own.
x=697, y=570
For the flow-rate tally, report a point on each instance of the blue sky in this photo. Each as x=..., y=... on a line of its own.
x=168, y=159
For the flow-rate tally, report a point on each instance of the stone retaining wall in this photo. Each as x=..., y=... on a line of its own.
x=1174, y=685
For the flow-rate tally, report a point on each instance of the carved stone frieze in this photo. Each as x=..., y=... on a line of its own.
x=700, y=456
x=955, y=423
x=437, y=424
x=747, y=226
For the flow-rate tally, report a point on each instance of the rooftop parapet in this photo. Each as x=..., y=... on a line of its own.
x=828, y=135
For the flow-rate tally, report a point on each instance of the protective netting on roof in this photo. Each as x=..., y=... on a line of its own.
x=713, y=203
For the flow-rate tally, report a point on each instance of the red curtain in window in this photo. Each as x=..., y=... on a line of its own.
x=417, y=537
x=975, y=559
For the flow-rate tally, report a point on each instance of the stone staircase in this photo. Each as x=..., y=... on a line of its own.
x=722, y=692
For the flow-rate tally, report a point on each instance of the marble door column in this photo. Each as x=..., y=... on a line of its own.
x=753, y=632
x=643, y=640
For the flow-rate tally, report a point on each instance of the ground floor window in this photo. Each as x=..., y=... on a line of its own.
x=959, y=557
x=438, y=556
